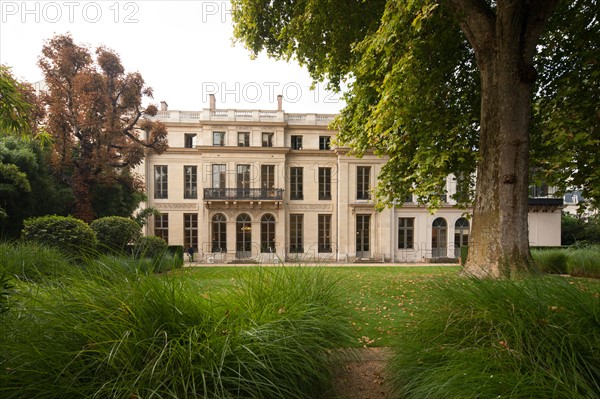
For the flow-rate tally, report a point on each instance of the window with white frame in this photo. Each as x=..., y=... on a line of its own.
x=161, y=186
x=296, y=233
x=363, y=176
x=267, y=139
x=218, y=139
x=161, y=226
x=243, y=139
x=190, y=176
x=406, y=233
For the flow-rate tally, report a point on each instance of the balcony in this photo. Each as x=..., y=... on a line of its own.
x=249, y=194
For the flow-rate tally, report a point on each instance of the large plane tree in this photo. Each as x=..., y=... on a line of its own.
x=472, y=88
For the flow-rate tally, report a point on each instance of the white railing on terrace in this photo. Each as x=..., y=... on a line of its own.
x=245, y=115
x=179, y=116
x=309, y=119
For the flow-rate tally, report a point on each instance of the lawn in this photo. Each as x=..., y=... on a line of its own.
x=381, y=299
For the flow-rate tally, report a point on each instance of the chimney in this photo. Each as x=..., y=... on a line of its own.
x=212, y=102
x=164, y=106
x=280, y=103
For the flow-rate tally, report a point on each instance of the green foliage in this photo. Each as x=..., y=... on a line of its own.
x=114, y=333
x=14, y=109
x=566, y=129
x=537, y=337
x=150, y=247
x=584, y=262
x=121, y=198
x=414, y=91
x=114, y=233
x=35, y=192
x=428, y=129
x=551, y=260
x=142, y=216
x=70, y=235
x=580, y=231
x=308, y=31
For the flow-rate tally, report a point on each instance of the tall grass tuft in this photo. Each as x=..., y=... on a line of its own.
x=538, y=337
x=33, y=262
x=114, y=331
x=550, y=260
x=584, y=262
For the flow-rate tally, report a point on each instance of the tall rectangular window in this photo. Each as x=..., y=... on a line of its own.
x=324, y=142
x=243, y=139
x=161, y=226
x=296, y=142
x=363, y=175
x=296, y=183
x=406, y=233
x=189, y=140
x=161, y=177
x=296, y=233
x=190, y=178
x=190, y=230
x=324, y=233
x=267, y=177
x=324, y=183
x=219, y=176
x=267, y=139
x=219, y=139
x=243, y=181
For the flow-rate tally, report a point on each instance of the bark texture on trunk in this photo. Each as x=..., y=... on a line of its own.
x=504, y=43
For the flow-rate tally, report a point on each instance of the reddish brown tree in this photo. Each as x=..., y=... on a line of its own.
x=100, y=128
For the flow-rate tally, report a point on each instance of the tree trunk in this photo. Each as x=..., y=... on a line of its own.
x=504, y=46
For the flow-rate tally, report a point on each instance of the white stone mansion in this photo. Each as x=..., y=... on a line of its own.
x=266, y=186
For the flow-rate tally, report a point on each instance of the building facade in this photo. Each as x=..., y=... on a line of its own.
x=268, y=186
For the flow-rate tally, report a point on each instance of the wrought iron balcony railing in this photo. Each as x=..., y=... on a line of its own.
x=272, y=194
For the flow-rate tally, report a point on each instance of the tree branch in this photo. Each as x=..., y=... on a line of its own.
x=476, y=20
x=538, y=12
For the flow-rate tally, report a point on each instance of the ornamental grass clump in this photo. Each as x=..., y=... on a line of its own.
x=551, y=260
x=584, y=262
x=34, y=262
x=537, y=337
x=117, y=332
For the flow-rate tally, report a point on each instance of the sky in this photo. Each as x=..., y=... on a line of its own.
x=183, y=49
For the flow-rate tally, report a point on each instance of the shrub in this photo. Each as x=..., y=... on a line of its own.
x=537, y=337
x=70, y=235
x=114, y=233
x=550, y=260
x=150, y=247
x=176, y=251
x=584, y=262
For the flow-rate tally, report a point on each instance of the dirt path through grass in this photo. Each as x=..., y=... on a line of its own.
x=362, y=376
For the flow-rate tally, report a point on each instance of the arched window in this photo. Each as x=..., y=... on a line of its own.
x=439, y=238
x=461, y=235
x=243, y=229
x=219, y=233
x=267, y=233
